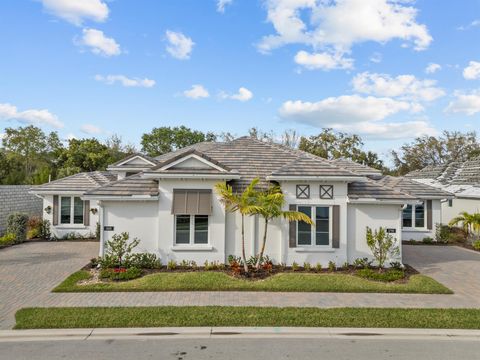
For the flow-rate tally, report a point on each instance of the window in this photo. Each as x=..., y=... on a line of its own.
x=322, y=234
x=414, y=216
x=191, y=229
x=71, y=210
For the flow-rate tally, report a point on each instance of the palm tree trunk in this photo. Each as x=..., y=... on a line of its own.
x=257, y=265
x=245, y=265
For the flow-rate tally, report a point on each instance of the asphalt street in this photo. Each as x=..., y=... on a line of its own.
x=255, y=348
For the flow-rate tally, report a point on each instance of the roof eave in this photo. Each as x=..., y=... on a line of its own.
x=120, y=197
x=316, y=178
x=375, y=201
x=156, y=175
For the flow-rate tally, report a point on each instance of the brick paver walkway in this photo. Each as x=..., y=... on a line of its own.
x=45, y=265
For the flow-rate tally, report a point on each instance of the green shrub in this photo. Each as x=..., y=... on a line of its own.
x=382, y=245
x=32, y=234
x=442, y=233
x=120, y=247
x=476, y=245
x=362, y=263
x=121, y=274
x=17, y=224
x=387, y=276
x=307, y=266
x=143, y=261
x=45, y=233
x=7, y=239
x=108, y=261
x=427, y=240
x=331, y=266
x=396, y=265
x=295, y=266
x=318, y=267
x=34, y=224
x=172, y=265
x=346, y=265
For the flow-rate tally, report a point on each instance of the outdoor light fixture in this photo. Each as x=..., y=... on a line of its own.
x=48, y=209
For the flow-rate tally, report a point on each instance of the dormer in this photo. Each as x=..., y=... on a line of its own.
x=132, y=165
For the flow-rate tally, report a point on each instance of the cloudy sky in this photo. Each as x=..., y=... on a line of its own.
x=387, y=70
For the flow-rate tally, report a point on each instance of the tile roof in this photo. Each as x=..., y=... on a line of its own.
x=355, y=167
x=371, y=189
x=78, y=182
x=133, y=185
x=146, y=157
x=414, y=188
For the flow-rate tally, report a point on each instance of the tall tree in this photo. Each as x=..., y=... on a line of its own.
x=431, y=150
x=166, y=139
x=333, y=145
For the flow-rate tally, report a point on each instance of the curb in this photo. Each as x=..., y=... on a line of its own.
x=234, y=332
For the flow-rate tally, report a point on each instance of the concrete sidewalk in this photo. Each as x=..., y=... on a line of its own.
x=232, y=332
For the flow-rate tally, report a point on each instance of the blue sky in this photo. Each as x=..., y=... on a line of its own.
x=96, y=67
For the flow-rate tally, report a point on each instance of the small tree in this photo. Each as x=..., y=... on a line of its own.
x=382, y=245
x=120, y=248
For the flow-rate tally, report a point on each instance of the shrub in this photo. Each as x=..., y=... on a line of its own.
x=318, y=267
x=108, y=261
x=282, y=266
x=193, y=265
x=120, y=248
x=7, y=239
x=362, y=263
x=457, y=235
x=307, y=266
x=476, y=245
x=172, y=265
x=33, y=227
x=382, y=245
x=234, y=259
x=331, y=266
x=396, y=265
x=143, y=261
x=185, y=264
x=45, y=233
x=121, y=274
x=17, y=224
x=427, y=240
x=442, y=233
x=295, y=266
x=389, y=275
x=346, y=265
x=32, y=234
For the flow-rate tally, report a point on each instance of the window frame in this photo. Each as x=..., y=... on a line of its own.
x=313, y=232
x=413, y=217
x=191, y=234
x=72, y=211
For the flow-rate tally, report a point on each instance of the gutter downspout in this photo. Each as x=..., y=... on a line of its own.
x=101, y=221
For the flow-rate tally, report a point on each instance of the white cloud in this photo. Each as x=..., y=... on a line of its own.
x=406, y=87
x=31, y=116
x=324, y=61
x=76, y=11
x=98, y=43
x=472, y=24
x=472, y=71
x=243, y=95
x=433, y=68
x=465, y=103
x=221, y=4
x=356, y=114
x=180, y=46
x=335, y=26
x=196, y=92
x=125, y=81
x=91, y=129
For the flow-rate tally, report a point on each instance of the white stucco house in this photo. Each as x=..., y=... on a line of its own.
x=169, y=203
x=459, y=178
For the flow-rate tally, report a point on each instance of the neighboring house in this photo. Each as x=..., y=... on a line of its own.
x=169, y=203
x=460, y=178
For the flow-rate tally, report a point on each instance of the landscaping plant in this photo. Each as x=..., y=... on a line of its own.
x=120, y=248
x=382, y=245
x=470, y=222
x=17, y=225
x=331, y=266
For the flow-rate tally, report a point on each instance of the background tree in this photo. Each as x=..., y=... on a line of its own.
x=165, y=139
x=334, y=145
x=430, y=150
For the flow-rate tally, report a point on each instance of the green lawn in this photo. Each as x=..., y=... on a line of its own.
x=218, y=281
x=171, y=316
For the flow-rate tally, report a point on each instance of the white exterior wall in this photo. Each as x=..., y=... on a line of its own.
x=374, y=216
x=62, y=230
x=459, y=205
x=313, y=254
x=215, y=250
x=138, y=218
x=418, y=234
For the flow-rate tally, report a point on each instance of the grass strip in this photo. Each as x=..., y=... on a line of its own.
x=286, y=282
x=172, y=316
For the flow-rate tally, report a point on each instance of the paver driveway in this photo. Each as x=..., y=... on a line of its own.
x=29, y=271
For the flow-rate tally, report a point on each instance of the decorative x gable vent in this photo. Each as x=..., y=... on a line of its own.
x=303, y=191
x=326, y=191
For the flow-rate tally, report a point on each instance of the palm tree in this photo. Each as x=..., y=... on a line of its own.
x=271, y=203
x=245, y=203
x=470, y=222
